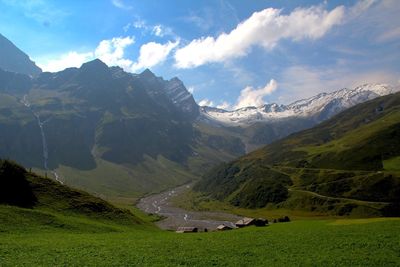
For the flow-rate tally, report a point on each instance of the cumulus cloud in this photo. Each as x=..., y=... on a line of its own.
x=191, y=89
x=156, y=30
x=206, y=102
x=250, y=96
x=264, y=28
x=224, y=105
x=140, y=24
x=152, y=54
x=120, y=4
x=70, y=59
x=126, y=27
x=112, y=51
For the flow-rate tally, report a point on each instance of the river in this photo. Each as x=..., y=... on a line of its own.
x=175, y=217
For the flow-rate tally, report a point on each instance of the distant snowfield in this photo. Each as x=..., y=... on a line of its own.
x=324, y=104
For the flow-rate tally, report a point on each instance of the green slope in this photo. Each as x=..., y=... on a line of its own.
x=28, y=201
x=346, y=165
x=367, y=242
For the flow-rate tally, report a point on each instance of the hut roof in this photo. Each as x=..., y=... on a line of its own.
x=224, y=227
x=186, y=229
x=245, y=221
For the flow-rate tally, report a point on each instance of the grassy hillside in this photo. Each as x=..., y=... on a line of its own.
x=368, y=242
x=346, y=165
x=29, y=201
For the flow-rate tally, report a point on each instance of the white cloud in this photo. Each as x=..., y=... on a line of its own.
x=191, y=89
x=126, y=27
x=152, y=54
x=224, y=105
x=140, y=24
x=112, y=51
x=300, y=82
x=120, y=4
x=158, y=31
x=389, y=35
x=206, y=102
x=70, y=59
x=265, y=28
x=359, y=8
x=250, y=96
x=374, y=20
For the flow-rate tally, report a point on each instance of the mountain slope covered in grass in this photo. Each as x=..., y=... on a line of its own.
x=346, y=165
x=30, y=201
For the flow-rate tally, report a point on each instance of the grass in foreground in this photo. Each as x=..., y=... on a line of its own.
x=300, y=243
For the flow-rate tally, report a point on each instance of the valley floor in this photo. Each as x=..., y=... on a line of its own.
x=356, y=242
x=162, y=205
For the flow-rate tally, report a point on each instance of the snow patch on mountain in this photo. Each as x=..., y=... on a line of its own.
x=319, y=107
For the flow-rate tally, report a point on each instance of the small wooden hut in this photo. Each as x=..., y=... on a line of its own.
x=245, y=222
x=187, y=229
x=224, y=227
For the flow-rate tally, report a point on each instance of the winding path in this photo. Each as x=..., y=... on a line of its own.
x=175, y=217
x=335, y=198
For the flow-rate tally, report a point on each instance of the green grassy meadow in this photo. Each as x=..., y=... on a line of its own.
x=344, y=242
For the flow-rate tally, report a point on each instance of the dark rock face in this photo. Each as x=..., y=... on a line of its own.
x=177, y=92
x=15, y=83
x=14, y=60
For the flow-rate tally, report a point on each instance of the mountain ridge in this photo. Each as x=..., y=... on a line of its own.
x=115, y=133
x=345, y=165
x=14, y=60
x=309, y=107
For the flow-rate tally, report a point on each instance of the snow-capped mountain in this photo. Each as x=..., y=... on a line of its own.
x=319, y=107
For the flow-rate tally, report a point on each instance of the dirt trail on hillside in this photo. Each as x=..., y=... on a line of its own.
x=160, y=204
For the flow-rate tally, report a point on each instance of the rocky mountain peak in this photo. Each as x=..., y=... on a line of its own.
x=147, y=74
x=94, y=65
x=181, y=97
x=14, y=60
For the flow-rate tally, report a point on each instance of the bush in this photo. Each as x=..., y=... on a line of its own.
x=14, y=188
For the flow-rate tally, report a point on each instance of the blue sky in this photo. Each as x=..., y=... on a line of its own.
x=228, y=53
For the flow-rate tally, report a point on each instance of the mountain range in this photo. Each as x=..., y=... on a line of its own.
x=118, y=134
x=347, y=165
x=267, y=123
x=319, y=107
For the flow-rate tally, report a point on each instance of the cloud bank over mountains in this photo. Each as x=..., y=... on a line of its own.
x=264, y=28
x=112, y=52
x=269, y=34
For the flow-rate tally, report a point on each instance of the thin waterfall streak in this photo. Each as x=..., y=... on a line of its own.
x=45, y=150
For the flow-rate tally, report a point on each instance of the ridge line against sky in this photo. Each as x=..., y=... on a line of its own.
x=230, y=54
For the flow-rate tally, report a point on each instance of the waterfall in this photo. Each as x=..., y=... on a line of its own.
x=44, y=141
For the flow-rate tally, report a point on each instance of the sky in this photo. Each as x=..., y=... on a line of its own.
x=229, y=53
